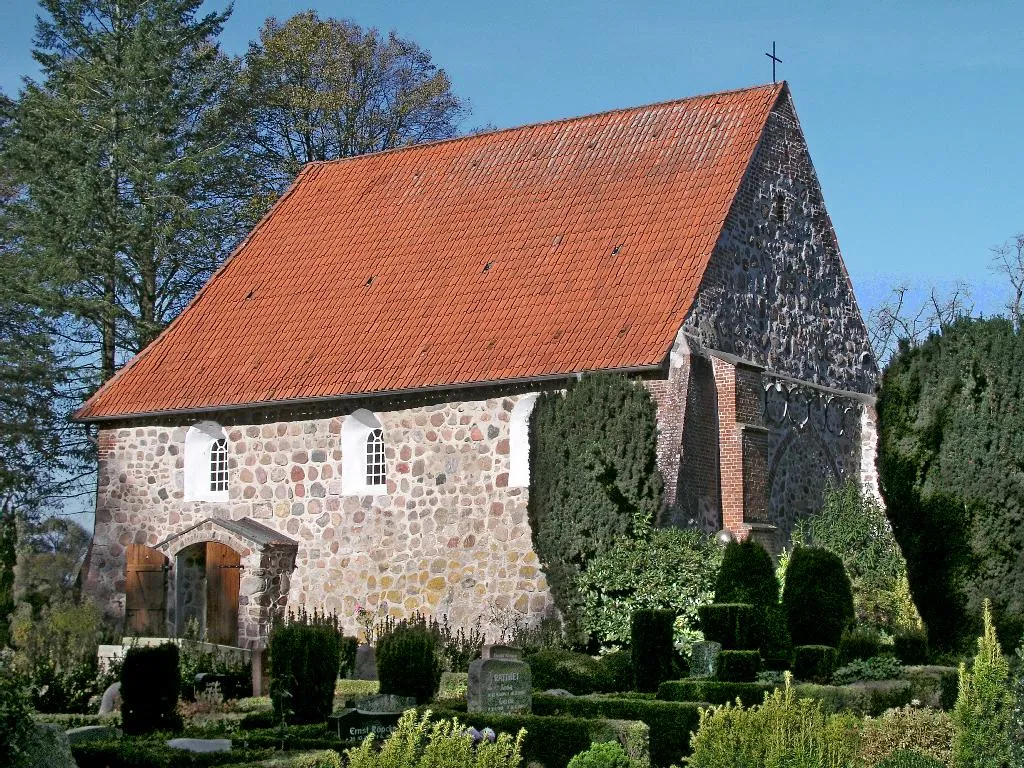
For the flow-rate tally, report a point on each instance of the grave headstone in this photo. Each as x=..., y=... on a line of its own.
x=378, y=714
x=365, y=667
x=111, y=701
x=499, y=681
x=704, y=658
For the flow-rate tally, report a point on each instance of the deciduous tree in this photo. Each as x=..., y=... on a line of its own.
x=320, y=89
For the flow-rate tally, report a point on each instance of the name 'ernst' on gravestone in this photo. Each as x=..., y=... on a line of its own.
x=499, y=681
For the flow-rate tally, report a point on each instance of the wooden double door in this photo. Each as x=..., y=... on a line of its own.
x=215, y=569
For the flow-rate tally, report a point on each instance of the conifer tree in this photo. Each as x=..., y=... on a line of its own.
x=131, y=190
x=594, y=475
x=984, y=706
x=951, y=445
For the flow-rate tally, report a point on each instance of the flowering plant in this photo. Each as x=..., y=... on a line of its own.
x=364, y=617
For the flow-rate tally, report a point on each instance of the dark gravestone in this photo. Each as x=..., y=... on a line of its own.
x=365, y=667
x=378, y=714
x=499, y=682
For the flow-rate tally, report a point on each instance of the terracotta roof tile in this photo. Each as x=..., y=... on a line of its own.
x=371, y=274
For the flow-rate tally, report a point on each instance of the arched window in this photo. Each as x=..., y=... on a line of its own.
x=519, y=442
x=206, y=463
x=219, y=465
x=363, y=465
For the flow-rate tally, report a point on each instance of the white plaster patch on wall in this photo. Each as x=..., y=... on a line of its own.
x=519, y=441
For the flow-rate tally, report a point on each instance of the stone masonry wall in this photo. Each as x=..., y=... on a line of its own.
x=449, y=537
x=776, y=292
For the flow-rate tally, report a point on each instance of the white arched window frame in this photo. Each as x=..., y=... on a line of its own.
x=363, y=464
x=519, y=441
x=206, y=462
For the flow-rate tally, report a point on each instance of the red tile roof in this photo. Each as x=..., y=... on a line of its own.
x=549, y=249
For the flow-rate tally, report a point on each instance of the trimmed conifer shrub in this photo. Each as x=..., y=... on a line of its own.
x=577, y=673
x=950, y=450
x=983, y=713
x=149, y=689
x=651, y=646
x=859, y=643
x=911, y=646
x=817, y=598
x=304, y=663
x=738, y=666
x=593, y=476
x=731, y=624
x=747, y=575
x=409, y=662
x=814, y=663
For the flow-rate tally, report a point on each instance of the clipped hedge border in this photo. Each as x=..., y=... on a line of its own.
x=814, y=663
x=145, y=753
x=738, y=666
x=671, y=722
x=866, y=698
x=714, y=691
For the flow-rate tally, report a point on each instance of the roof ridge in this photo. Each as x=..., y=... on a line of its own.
x=776, y=88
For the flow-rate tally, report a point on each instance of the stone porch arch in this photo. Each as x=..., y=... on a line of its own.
x=266, y=559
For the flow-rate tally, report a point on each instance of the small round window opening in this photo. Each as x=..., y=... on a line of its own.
x=375, y=474
x=219, y=465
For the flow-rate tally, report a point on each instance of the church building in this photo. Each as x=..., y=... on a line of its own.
x=341, y=415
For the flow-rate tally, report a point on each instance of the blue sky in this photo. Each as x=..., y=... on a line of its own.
x=913, y=110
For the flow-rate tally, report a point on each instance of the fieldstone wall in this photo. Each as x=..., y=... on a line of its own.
x=449, y=538
x=776, y=292
x=814, y=440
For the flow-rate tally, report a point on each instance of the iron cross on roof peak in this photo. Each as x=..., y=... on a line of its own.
x=775, y=60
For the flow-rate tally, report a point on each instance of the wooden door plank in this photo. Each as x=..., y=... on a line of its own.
x=223, y=577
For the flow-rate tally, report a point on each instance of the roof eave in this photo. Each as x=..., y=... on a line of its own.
x=439, y=388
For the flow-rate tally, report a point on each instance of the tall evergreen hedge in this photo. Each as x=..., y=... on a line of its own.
x=951, y=469
x=593, y=475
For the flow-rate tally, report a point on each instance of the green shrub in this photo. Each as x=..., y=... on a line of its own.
x=574, y=672
x=593, y=477
x=607, y=754
x=853, y=525
x=784, y=730
x=776, y=645
x=421, y=742
x=671, y=722
x=408, y=662
x=16, y=725
x=949, y=458
x=731, y=624
x=738, y=666
x=618, y=668
x=911, y=646
x=747, y=575
x=651, y=648
x=550, y=740
x=1017, y=721
x=875, y=668
x=668, y=568
x=154, y=753
x=714, y=691
x=926, y=730
x=817, y=597
x=304, y=661
x=872, y=697
x=149, y=689
x=984, y=705
x=457, y=648
x=908, y=758
x=859, y=643
x=815, y=663
x=933, y=686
